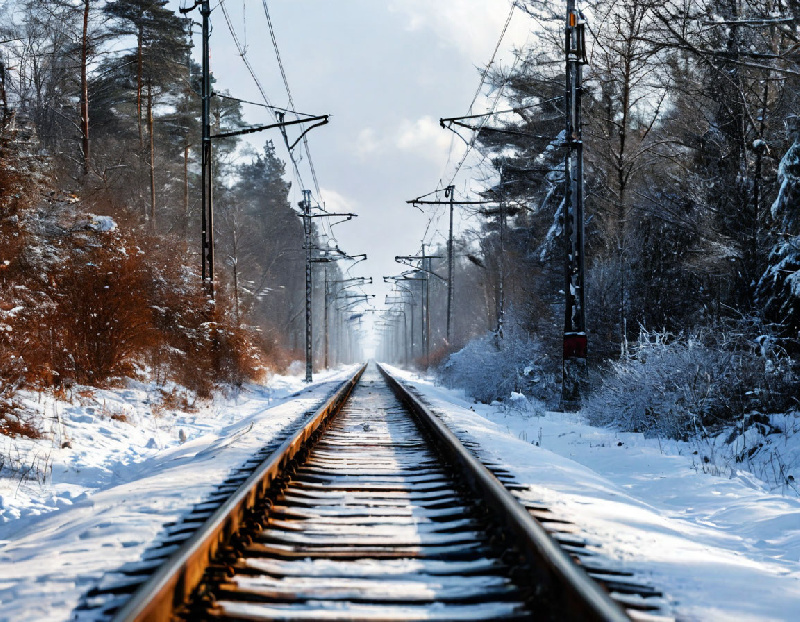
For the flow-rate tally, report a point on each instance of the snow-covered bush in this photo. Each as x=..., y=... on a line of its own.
x=677, y=385
x=489, y=369
x=778, y=291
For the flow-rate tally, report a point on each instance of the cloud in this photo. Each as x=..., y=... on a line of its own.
x=367, y=142
x=336, y=202
x=422, y=137
x=471, y=26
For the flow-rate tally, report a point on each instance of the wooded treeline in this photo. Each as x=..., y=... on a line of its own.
x=101, y=119
x=692, y=178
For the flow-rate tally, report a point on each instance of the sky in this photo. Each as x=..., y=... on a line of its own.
x=385, y=72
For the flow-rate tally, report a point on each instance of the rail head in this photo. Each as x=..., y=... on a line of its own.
x=168, y=588
x=580, y=596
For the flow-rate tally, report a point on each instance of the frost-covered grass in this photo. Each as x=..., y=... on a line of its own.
x=90, y=436
x=729, y=392
x=768, y=446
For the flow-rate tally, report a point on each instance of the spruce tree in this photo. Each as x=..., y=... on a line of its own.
x=779, y=288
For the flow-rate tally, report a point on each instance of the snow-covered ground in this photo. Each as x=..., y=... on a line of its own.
x=131, y=463
x=721, y=547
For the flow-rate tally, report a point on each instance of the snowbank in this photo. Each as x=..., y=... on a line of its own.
x=721, y=548
x=88, y=508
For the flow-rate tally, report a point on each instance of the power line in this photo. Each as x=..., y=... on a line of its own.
x=289, y=94
x=494, y=55
x=245, y=101
x=243, y=55
x=484, y=74
x=276, y=111
x=306, y=147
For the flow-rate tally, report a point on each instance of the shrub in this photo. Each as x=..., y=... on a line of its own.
x=86, y=304
x=675, y=385
x=101, y=319
x=489, y=369
x=199, y=344
x=93, y=319
x=111, y=309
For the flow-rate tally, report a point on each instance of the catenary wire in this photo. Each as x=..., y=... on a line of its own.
x=289, y=94
x=243, y=55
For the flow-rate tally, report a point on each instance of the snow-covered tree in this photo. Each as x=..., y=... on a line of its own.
x=779, y=289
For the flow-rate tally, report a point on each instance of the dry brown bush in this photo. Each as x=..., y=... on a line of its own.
x=87, y=307
x=199, y=344
x=100, y=319
x=437, y=357
x=14, y=423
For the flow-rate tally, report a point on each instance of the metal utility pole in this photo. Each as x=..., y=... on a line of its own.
x=206, y=172
x=426, y=262
x=410, y=302
x=3, y=98
x=501, y=311
x=327, y=334
x=423, y=324
x=306, y=215
x=501, y=213
x=206, y=179
x=306, y=206
x=404, y=350
x=426, y=307
x=353, y=282
x=449, y=192
x=575, y=342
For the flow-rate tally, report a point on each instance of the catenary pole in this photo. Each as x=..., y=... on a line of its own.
x=306, y=206
x=449, y=192
x=575, y=341
x=207, y=200
x=426, y=269
x=501, y=310
x=327, y=336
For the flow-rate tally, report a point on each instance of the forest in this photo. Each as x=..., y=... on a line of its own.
x=692, y=147
x=100, y=211
x=162, y=454
x=692, y=224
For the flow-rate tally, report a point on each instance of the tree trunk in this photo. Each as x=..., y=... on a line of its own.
x=3, y=92
x=236, y=293
x=186, y=189
x=152, y=154
x=139, y=84
x=85, y=88
x=235, y=262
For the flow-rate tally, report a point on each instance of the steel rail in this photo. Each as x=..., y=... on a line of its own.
x=171, y=585
x=576, y=595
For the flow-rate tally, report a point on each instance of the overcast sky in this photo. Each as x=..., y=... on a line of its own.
x=385, y=72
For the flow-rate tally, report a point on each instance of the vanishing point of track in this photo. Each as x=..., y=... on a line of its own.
x=374, y=511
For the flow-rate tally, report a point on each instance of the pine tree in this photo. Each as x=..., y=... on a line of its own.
x=263, y=240
x=779, y=288
x=160, y=64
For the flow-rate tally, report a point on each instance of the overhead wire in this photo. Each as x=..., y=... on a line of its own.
x=289, y=94
x=307, y=149
x=246, y=101
x=484, y=119
x=243, y=55
x=494, y=56
x=481, y=83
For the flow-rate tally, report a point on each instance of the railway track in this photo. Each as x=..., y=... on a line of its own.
x=375, y=511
